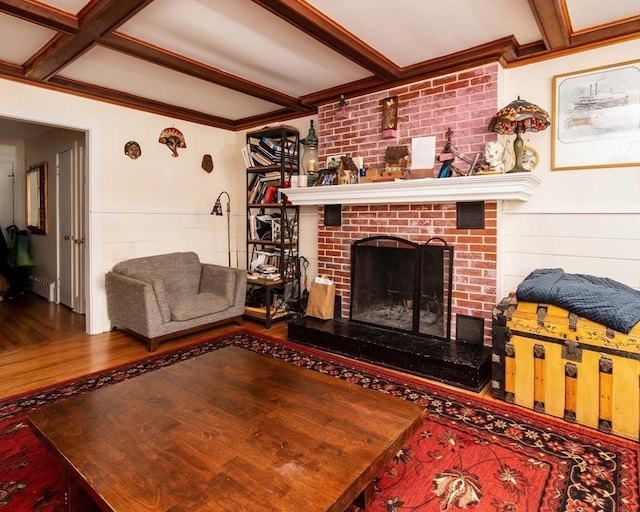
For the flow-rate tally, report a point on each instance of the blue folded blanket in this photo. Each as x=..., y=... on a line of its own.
x=602, y=300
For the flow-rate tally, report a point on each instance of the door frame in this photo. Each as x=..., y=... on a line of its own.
x=94, y=274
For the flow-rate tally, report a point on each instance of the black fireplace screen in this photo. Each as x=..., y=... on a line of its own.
x=401, y=285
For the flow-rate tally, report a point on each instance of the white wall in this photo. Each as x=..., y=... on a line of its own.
x=151, y=205
x=584, y=220
x=156, y=203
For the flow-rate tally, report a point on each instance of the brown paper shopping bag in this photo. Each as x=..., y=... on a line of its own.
x=321, y=299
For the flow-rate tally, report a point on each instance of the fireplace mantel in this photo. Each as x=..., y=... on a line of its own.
x=506, y=187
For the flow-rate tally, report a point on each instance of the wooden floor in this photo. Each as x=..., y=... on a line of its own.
x=43, y=343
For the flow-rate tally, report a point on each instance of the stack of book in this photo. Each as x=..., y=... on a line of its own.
x=257, y=276
x=264, y=189
x=265, y=151
x=265, y=273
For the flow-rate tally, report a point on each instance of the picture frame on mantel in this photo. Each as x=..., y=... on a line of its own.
x=596, y=117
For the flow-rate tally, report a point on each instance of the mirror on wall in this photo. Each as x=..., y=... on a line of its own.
x=37, y=198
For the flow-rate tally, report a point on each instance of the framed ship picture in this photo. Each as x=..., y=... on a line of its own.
x=596, y=117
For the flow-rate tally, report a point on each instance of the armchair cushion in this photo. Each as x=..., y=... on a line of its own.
x=199, y=305
x=160, y=293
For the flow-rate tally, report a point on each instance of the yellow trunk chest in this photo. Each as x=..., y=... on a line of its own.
x=550, y=360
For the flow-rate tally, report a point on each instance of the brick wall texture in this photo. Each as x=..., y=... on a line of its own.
x=463, y=101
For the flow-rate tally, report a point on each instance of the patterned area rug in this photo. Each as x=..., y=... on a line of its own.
x=470, y=454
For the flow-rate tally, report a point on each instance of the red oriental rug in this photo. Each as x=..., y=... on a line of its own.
x=470, y=454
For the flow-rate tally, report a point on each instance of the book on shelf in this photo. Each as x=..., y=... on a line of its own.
x=267, y=257
x=260, y=185
x=266, y=268
x=246, y=157
x=270, y=195
x=253, y=227
x=259, y=159
x=276, y=276
x=265, y=151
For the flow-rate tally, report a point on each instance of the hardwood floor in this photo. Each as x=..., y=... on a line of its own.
x=42, y=344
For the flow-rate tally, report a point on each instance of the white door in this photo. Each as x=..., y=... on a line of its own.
x=71, y=228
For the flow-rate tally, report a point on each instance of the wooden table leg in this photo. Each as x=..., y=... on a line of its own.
x=366, y=496
x=77, y=498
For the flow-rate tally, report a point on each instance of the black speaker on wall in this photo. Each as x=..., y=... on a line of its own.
x=470, y=215
x=333, y=215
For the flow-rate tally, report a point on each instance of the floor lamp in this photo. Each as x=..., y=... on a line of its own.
x=217, y=210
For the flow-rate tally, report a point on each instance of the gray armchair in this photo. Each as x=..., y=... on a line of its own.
x=164, y=296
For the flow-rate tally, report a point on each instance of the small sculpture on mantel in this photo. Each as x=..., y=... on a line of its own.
x=493, y=152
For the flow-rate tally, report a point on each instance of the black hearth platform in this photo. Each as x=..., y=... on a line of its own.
x=464, y=365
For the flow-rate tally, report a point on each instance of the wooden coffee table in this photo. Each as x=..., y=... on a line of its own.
x=230, y=430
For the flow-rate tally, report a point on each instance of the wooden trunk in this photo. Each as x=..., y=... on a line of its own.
x=550, y=360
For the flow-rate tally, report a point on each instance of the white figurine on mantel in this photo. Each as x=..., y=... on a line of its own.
x=493, y=152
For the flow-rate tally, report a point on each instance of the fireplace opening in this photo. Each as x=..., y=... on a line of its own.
x=401, y=285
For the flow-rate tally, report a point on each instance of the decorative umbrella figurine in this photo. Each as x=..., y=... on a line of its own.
x=518, y=117
x=173, y=139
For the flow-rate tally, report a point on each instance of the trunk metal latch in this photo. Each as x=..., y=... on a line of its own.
x=571, y=351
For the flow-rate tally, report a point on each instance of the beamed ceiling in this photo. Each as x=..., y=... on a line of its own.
x=237, y=64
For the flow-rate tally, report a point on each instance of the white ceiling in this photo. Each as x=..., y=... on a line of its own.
x=241, y=63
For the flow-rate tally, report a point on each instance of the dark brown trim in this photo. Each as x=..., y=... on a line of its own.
x=135, y=48
x=104, y=16
x=329, y=33
x=98, y=22
x=629, y=27
x=136, y=102
x=41, y=15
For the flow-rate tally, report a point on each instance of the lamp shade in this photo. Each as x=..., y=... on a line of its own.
x=518, y=117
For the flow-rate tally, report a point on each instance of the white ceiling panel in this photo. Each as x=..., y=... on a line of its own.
x=20, y=39
x=410, y=31
x=585, y=14
x=242, y=38
x=111, y=69
x=69, y=6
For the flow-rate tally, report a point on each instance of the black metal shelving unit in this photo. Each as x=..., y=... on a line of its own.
x=271, y=157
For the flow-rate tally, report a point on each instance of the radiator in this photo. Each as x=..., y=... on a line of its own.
x=42, y=287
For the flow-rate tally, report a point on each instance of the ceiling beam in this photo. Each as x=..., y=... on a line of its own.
x=139, y=103
x=328, y=32
x=504, y=50
x=553, y=21
x=147, y=52
x=41, y=15
x=103, y=16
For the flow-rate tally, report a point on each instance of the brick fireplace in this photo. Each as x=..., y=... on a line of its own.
x=461, y=359
x=474, y=278
x=465, y=102
x=417, y=211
